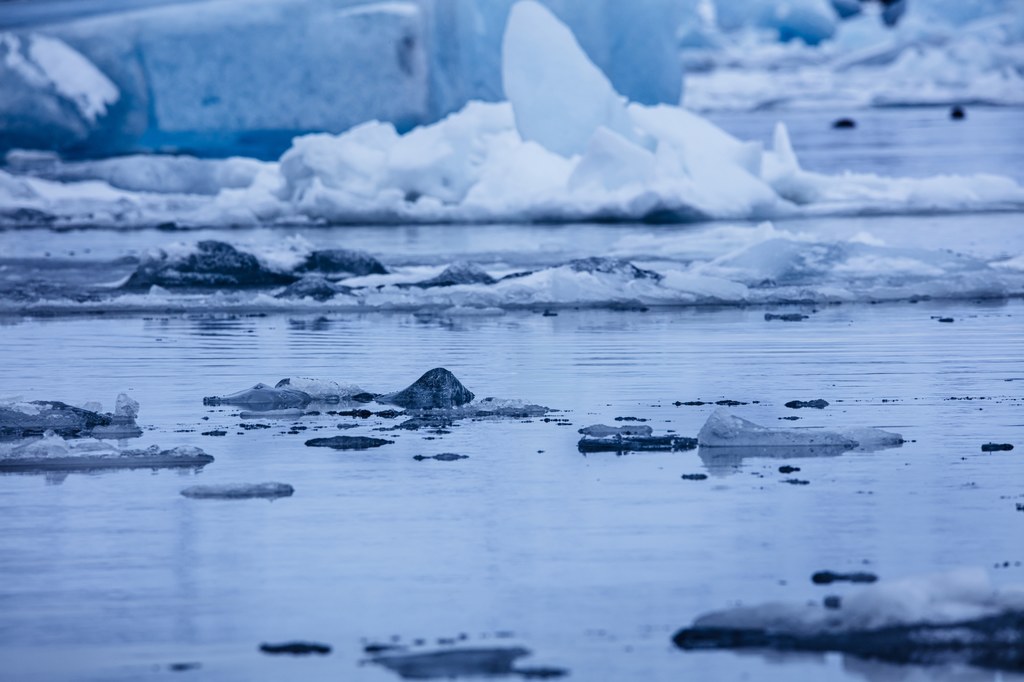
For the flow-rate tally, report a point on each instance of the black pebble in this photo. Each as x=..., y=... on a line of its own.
x=957, y=113
x=844, y=123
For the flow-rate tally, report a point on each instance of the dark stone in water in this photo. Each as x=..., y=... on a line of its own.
x=296, y=648
x=184, y=667
x=841, y=123
x=443, y=457
x=316, y=288
x=948, y=320
x=214, y=265
x=635, y=443
x=957, y=113
x=438, y=388
x=829, y=577
x=992, y=642
x=832, y=602
x=996, y=447
x=818, y=404
x=348, y=442
x=458, y=273
x=363, y=397
x=796, y=481
x=729, y=403
x=786, y=469
x=787, y=317
x=339, y=261
x=694, y=477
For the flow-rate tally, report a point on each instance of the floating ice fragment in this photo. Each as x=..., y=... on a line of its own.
x=263, y=397
x=239, y=491
x=53, y=453
x=724, y=429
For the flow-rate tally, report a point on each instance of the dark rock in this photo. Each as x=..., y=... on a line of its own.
x=438, y=388
x=348, y=442
x=296, y=648
x=458, y=273
x=818, y=404
x=946, y=319
x=316, y=288
x=214, y=265
x=443, y=457
x=150, y=458
x=842, y=123
x=184, y=667
x=215, y=432
x=729, y=403
x=796, y=481
x=996, y=447
x=363, y=397
x=690, y=403
x=600, y=438
x=51, y=415
x=359, y=414
x=786, y=469
x=540, y=673
x=991, y=642
x=612, y=266
x=389, y=414
x=829, y=577
x=342, y=261
x=832, y=602
x=957, y=113
x=787, y=317
x=694, y=477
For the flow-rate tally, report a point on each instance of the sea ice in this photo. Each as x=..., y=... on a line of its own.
x=949, y=618
x=239, y=491
x=320, y=390
x=263, y=397
x=20, y=418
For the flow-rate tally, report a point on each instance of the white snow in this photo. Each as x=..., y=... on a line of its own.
x=724, y=429
x=943, y=598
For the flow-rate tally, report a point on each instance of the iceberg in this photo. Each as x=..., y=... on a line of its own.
x=951, y=618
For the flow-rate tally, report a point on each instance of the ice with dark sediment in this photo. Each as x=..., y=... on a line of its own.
x=239, y=491
x=952, y=618
x=723, y=429
x=320, y=390
x=28, y=418
x=51, y=452
x=436, y=389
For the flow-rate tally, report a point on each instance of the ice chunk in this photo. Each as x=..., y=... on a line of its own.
x=239, y=491
x=263, y=397
x=53, y=453
x=19, y=419
x=320, y=390
x=601, y=438
x=810, y=21
x=956, y=617
x=559, y=97
x=724, y=429
x=126, y=407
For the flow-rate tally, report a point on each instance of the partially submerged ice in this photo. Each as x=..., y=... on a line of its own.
x=33, y=418
x=239, y=491
x=951, y=618
x=51, y=452
x=263, y=397
x=723, y=429
x=601, y=438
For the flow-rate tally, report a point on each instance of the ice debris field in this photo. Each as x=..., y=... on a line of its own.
x=566, y=146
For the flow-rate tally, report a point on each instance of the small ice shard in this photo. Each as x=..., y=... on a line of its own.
x=724, y=429
x=53, y=453
x=126, y=407
x=320, y=390
x=348, y=442
x=601, y=438
x=946, y=619
x=239, y=491
x=263, y=397
x=438, y=388
x=342, y=261
x=560, y=98
x=458, y=273
x=212, y=265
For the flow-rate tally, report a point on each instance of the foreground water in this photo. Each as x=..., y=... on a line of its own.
x=592, y=562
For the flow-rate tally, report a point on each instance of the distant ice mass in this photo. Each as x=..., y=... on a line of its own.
x=565, y=147
x=951, y=618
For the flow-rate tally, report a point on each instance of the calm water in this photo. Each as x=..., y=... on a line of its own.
x=592, y=562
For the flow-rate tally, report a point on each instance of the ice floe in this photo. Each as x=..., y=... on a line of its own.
x=952, y=618
x=19, y=418
x=723, y=429
x=51, y=452
x=239, y=491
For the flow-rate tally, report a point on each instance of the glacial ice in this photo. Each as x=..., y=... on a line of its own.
x=810, y=21
x=726, y=430
x=955, y=617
